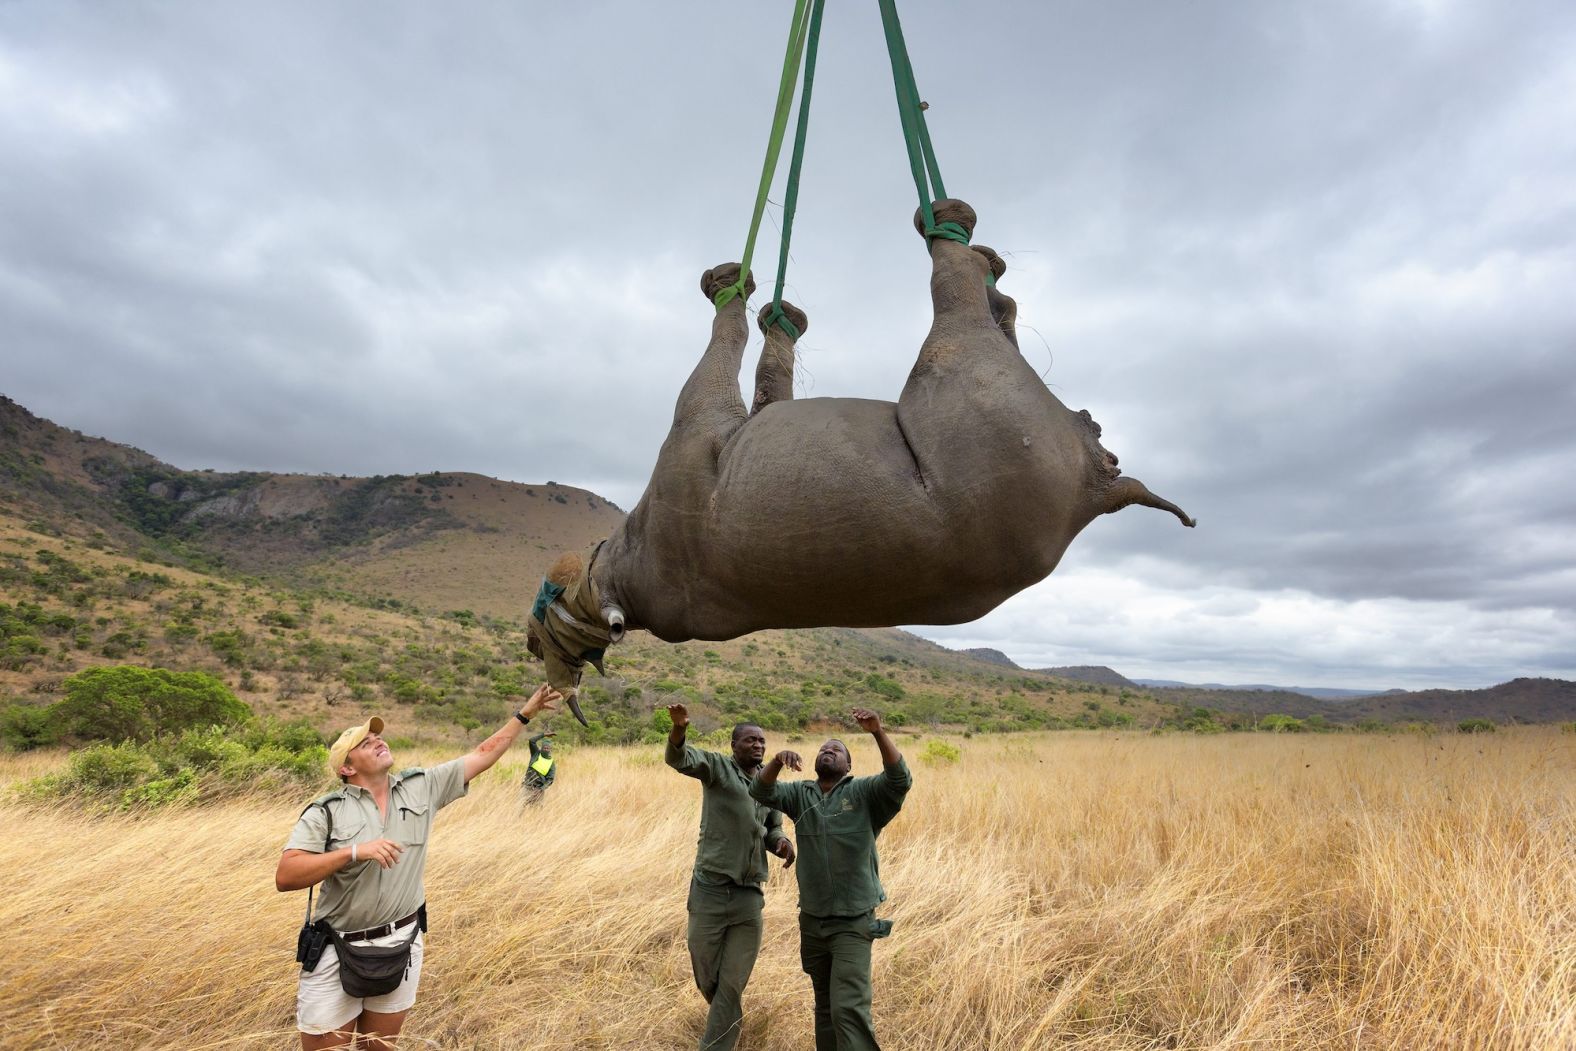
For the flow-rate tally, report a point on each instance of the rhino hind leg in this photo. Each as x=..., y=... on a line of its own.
x=774, y=372
x=1003, y=308
x=711, y=394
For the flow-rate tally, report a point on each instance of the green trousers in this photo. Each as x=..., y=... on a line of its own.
x=724, y=937
x=835, y=953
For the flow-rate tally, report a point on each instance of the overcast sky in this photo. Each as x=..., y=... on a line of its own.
x=1312, y=267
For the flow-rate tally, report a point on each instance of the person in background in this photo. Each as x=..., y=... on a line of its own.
x=725, y=896
x=541, y=770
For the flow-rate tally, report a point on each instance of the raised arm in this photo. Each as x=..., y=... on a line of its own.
x=886, y=789
x=491, y=750
x=870, y=723
x=688, y=761
x=764, y=787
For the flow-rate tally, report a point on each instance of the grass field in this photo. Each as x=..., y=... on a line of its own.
x=1065, y=891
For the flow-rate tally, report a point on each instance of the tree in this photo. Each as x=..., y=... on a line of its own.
x=132, y=703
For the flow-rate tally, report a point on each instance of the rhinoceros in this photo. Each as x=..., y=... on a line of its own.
x=816, y=512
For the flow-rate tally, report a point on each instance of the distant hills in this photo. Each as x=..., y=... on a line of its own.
x=1524, y=700
x=87, y=525
x=1323, y=693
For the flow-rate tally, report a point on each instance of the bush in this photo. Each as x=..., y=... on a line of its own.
x=132, y=703
x=25, y=726
x=263, y=755
x=1280, y=724
x=1476, y=726
x=108, y=767
x=939, y=752
x=885, y=687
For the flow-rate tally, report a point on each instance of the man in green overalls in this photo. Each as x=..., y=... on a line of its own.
x=541, y=770
x=725, y=898
x=837, y=818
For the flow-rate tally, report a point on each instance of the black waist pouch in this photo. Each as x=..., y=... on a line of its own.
x=373, y=970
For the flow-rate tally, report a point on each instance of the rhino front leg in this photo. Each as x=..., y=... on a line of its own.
x=774, y=372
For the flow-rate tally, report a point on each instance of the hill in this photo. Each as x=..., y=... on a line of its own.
x=1323, y=693
x=1091, y=673
x=440, y=540
x=990, y=656
x=321, y=596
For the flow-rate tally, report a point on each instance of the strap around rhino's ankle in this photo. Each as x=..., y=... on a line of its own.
x=998, y=265
x=786, y=316
x=954, y=221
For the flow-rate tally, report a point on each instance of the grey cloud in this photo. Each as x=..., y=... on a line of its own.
x=1308, y=266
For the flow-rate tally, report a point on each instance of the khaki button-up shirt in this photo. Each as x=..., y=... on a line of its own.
x=365, y=894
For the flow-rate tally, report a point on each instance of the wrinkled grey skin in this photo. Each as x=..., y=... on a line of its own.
x=848, y=512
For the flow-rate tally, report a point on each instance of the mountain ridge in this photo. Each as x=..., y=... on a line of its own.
x=462, y=545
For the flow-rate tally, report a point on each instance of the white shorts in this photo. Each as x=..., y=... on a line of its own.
x=322, y=1005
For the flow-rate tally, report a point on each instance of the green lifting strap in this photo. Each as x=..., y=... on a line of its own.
x=916, y=137
x=797, y=32
x=775, y=315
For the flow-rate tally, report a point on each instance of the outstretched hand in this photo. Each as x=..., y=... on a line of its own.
x=543, y=700
x=785, y=850
x=678, y=713
x=868, y=720
x=789, y=759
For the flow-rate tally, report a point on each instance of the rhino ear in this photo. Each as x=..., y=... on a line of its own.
x=1126, y=491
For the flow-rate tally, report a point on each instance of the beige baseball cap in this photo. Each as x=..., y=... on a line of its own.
x=348, y=740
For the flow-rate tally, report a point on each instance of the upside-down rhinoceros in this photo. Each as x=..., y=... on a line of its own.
x=819, y=512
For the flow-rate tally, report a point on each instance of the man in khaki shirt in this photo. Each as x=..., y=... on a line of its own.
x=366, y=843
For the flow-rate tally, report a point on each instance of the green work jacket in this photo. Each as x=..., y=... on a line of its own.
x=839, y=873
x=735, y=831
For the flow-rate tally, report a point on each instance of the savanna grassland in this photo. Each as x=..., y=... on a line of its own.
x=1075, y=890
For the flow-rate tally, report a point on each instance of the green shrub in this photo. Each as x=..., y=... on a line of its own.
x=940, y=752
x=110, y=767
x=25, y=726
x=132, y=703
x=263, y=755
x=885, y=687
x=1280, y=724
x=230, y=645
x=1476, y=726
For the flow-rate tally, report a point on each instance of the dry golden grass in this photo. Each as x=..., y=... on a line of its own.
x=1074, y=891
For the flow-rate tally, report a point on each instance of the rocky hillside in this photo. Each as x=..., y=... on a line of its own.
x=438, y=540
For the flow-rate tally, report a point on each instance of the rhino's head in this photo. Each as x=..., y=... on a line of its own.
x=569, y=626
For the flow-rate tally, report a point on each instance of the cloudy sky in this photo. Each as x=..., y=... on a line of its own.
x=1312, y=266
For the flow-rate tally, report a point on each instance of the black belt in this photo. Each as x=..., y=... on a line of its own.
x=379, y=932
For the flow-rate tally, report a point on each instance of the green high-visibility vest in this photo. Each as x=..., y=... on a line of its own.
x=541, y=764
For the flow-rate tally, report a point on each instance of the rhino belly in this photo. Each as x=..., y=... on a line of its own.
x=821, y=517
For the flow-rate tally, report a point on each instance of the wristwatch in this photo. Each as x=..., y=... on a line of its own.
x=524, y=720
